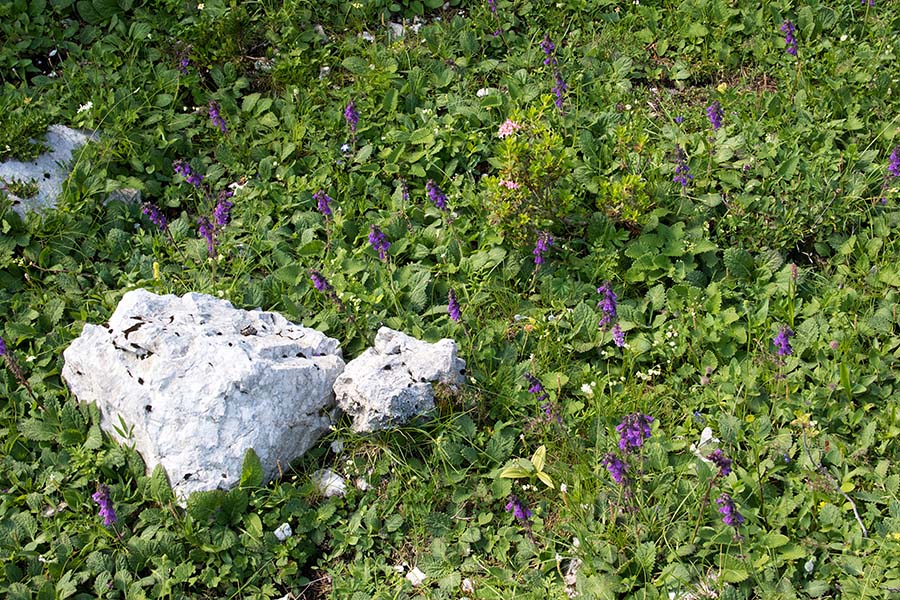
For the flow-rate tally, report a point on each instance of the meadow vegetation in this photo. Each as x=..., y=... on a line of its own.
x=664, y=235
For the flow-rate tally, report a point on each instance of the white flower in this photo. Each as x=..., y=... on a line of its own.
x=587, y=390
x=345, y=148
x=361, y=484
x=201, y=6
x=482, y=92
x=467, y=586
x=563, y=488
x=85, y=107
x=416, y=577
x=283, y=532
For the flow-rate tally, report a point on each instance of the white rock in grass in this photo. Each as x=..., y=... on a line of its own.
x=283, y=532
x=329, y=483
x=391, y=382
x=198, y=382
x=416, y=577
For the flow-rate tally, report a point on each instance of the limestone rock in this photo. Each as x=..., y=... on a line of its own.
x=48, y=170
x=392, y=382
x=198, y=382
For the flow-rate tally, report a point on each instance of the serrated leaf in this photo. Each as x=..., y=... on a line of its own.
x=37, y=430
x=159, y=485
x=393, y=522
x=251, y=470
x=734, y=575
x=739, y=263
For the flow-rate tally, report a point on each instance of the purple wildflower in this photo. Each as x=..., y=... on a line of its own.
x=633, y=430
x=607, y=304
x=869, y=2
x=548, y=48
x=3, y=348
x=782, y=341
x=894, y=165
x=216, y=117
x=101, y=497
x=730, y=514
x=616, y=467
x=379, y=242
x=618, y=336
x=537, y=388
x=715, y=113
x=453, y=306
x=518, y=508
x=721, y=461
x=679, y=119
x=404, y=190
x=351, y=116
x=155, y=215
x=492, y=4
x=319, y=281
x=222, y=211
x=682, y=170
x=184, y=169
x=788, y=29
x=183, y=65
x=543, y=244
x=323, y=202
x=559, y=89
x=436, y=194
x=207, y=231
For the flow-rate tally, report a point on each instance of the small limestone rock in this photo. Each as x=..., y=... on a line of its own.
x=329, y=483
x=283, y=532
x=200, y=382
x=391, y=382
x=416, y=577
x=48, y=171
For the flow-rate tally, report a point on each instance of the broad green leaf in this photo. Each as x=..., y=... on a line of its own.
x=539, y=457
x=251, y=470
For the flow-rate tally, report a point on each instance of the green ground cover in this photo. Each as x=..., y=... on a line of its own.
x=670, y=234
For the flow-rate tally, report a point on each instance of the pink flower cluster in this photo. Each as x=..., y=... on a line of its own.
x=508, y=128
x=508, y=184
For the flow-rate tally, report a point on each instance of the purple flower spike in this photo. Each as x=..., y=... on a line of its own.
x=216, y=117
x=607, y=304
x=721, y=461
x=559, y=89
x=155, y=215
x=208, y=232
x=782, y=341
x=616, y=467
x=351, y=116
x=548, y=48
x=730, y=514
x=543, y=244
x=788, y=29
x=184, y=169
x=618, y=336
x=379, y=242
x=715, y=113
x=518, y=508
x=319, y=281
x=537, y=388
x=453, y=307
x=3, y=349
x=894, y=164
x=436, y=194
x=222, y=211
x=682, y=170
x=101, y=497
x=633, y=430
x=492, y=4
x=323, y=202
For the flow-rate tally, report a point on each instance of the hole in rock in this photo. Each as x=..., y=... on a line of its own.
x=148, y=408
x=187, y=476
x=141, y=380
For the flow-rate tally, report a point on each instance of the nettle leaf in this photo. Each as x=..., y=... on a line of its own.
x=159, y=485
x=739, y=263
x=251, y=470
x=37, y=430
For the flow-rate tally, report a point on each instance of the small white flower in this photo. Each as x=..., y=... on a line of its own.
x=467, y=586
x=85, y=107
x=345, y=148
x=587, y=390
x=283, y=532
x=201, y=6
x=563, y=488
x=361, y=484
x=416, y=577
x=482, y=92
x=576, y=542
x=29, y=358
x=400, y=568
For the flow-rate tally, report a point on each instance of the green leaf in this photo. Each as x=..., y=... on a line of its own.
x=739, y=263
x=37, y=430
x=548, y=481
x=515, y=472
x=251, y=470
x=159, y=485
x=539, y=457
